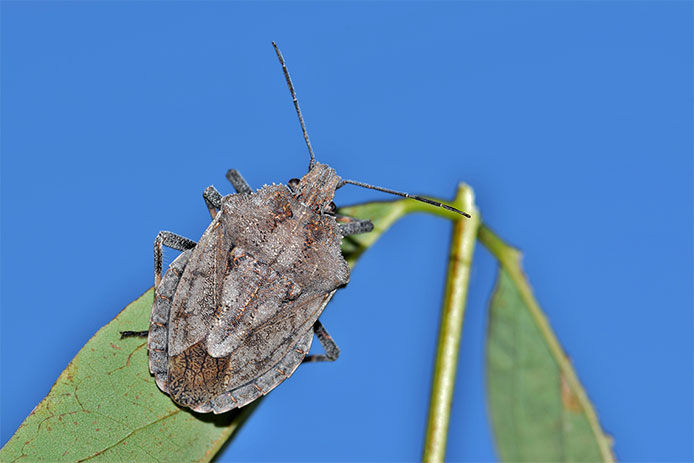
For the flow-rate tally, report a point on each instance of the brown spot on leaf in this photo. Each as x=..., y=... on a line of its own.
x=569, y=399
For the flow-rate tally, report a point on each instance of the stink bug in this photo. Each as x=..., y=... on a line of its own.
x=235, y=313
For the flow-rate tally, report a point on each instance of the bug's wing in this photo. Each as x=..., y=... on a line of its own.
x=262, y=315
x=198, y=294
x=269, y=343
x=205, y=383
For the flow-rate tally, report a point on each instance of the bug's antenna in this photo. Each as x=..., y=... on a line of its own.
x=296, y=104
x=404, y=195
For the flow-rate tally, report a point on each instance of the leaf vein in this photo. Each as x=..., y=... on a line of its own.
x=131, y=433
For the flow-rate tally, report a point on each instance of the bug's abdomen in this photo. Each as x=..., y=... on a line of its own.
x=261, y=318
x=195, y=379
x=246, y=393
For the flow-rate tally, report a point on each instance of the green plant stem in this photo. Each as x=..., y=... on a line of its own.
x=450, y=331
x=510, y=259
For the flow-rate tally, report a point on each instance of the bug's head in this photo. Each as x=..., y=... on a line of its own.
x=316, y=189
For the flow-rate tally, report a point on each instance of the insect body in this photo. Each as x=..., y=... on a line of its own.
x=236, y=312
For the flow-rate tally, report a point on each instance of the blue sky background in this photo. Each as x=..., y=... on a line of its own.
x=572, y=121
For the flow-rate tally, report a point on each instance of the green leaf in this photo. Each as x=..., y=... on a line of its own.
x=539, y=409
x=382, y=215
x=106, y=406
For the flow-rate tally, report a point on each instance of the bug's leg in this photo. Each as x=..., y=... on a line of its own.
x=352, y=226
x=329, y=346
x=213, y=200
x=134, y=334
x=173, y=241
x=164, y=238
x=238, y=182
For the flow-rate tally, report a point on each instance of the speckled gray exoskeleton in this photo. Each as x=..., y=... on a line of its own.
x=235, y=313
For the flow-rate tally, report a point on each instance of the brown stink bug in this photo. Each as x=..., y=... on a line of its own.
x=235, y=313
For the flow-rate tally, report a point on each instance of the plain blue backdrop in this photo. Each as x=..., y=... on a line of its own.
x=572, y=121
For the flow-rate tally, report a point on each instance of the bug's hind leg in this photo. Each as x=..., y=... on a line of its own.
x=352, y=226
x=213, y=200
x=238, y=182
x=173, y=241
x=332, y=352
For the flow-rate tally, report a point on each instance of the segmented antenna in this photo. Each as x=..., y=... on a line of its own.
x=296, y=105
x=404, y=195
x=344, y=182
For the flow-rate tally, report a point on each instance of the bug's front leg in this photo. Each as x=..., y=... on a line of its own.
x=332, y=352
x=238, y=182
x=352, y=226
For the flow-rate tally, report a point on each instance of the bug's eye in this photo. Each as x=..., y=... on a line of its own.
x=293, y=183
x=331, y=208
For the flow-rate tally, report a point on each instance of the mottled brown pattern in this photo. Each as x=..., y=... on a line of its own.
x=195, y=377
x=281, y=208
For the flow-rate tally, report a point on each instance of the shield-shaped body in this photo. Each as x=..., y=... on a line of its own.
x=233, y=317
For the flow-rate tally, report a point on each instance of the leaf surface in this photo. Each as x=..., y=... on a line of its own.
x=106, y=406
x=539, y=410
